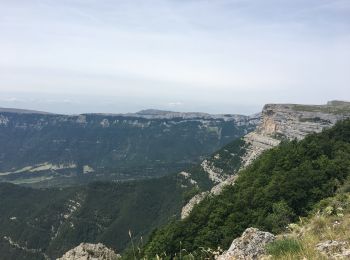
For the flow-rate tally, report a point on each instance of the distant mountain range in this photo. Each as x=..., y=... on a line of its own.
x=44, y=223
x=42, y=149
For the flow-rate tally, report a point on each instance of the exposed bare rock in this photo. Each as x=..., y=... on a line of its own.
x=186, y=210
x=87, y=251
x=4, y=120
x=290, y=121
x=157, y=114
x=24, y=247
x=256, y=144
x=217, y=189
x=334, y=249
x=296, y=121
x=278, y=122
x=187, y=176
x=105, y=123
x=251, y=245
x=215, y=174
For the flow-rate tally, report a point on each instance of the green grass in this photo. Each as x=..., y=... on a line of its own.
x=284, y=246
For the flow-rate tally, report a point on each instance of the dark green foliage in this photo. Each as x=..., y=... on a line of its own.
x=229, y=157
x=105, y=213
x=284, y=246
x=283, y=183
x=129, y=148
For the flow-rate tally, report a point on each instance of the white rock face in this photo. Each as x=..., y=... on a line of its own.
x=104, y=123
x=278, y=121
x=159, y=114
x=87, y=169
x=297, y=121
x=256, y=144
x=24, y=247
x=251, y=245
x=290, y=121
x=217, y=189
x=42, y=167
x=4, y=120
x=186, y=210
x=187, y=176
x=87, y=251
x=214, y=173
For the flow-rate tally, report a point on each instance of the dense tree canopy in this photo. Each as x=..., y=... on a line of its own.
x=285, y=182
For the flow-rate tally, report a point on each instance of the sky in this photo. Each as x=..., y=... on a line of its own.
x=216, y=56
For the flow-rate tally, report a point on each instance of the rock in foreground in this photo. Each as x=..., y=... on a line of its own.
x=334, y=249
x=251, y=245
x=87, y=251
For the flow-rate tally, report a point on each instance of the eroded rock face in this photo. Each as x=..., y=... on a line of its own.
x=334, y=249
x=251, y=245
x=290, y=121
x=297, y=121
x=86, y=251
x=214, y=173
x=278, y=122
x=186, y=210
x=256, y=145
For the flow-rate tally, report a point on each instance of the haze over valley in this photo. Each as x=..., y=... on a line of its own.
x=174, y=130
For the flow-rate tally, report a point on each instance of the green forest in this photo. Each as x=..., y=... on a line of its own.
x=49, y=222
x=281, y=185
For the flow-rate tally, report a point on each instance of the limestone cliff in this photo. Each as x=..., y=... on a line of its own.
x=278, y=122
x=41, y=149
x=291, y=121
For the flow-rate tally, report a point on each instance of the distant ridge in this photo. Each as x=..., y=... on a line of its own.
x=146, y=113
x=22, y=111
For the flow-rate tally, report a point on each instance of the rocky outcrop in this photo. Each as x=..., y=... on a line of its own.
x=291, y=121
x=278, y=122
x=105, y=145
x=186, y=210
x=87, y=251
x=256, y=144
x=215, y=174
x=296, y=121
x=3, y=120
x=333, y=249
x=160, y=114
x=251, y=245
x=24, y=247
x=216, y=190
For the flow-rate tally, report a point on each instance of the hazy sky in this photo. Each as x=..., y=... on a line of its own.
x=231, y=56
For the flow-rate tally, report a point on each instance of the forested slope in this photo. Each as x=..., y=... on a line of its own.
x=282, y=184
x=35, y=223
